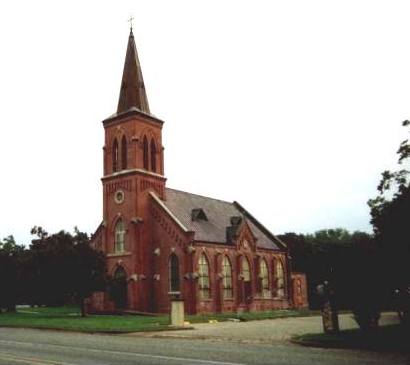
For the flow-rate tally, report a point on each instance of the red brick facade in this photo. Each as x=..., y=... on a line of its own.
x=140, y=234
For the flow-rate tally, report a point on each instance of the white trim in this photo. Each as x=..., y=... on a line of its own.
x=163, y=206
x=128, y=171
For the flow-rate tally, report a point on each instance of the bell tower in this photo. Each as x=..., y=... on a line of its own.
x=133, y=166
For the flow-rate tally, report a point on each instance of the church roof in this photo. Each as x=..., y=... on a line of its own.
x=219, y=216
x=132, y=93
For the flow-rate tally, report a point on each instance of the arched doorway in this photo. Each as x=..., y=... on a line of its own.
x=119, y=292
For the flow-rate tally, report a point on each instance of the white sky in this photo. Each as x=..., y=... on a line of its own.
x=292, y=108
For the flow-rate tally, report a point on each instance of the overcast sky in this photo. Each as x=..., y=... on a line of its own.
x=292, y=108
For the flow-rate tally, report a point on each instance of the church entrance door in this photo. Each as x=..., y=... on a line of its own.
x=119, y=292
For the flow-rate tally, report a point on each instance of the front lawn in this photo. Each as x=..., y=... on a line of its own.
x=68, y=318
x=384, y=338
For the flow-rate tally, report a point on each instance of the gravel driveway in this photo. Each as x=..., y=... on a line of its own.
x=265, y=331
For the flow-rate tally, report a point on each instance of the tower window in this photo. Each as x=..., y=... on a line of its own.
x=145, y=153
x=115, y=155
x=153, y=156
x=173, y=273
x=119, y=245
x=123, y=153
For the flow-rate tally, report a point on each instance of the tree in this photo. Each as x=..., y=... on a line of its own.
x=64, y=266
x=333, y=255
x=390, y=212
x=9, y=273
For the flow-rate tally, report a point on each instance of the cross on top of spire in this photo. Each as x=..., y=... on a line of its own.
x=130, y=20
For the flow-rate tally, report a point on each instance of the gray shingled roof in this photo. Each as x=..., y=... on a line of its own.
x=219, y=213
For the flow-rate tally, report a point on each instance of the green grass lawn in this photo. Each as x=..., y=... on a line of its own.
x=393, y=338
x=68, y=318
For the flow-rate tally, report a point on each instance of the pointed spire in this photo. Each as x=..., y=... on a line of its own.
x=132, y=93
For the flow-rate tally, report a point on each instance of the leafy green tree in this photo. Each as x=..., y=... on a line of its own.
x=334, y=255
x=9, y=273
x=64, y=266
x=390, y=212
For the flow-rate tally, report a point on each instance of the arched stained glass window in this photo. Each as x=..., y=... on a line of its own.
x=227, y=278
x=145, y=153
x=173, y=273
x=280, y=279
x=264, y=278
x=123, y=153
x=153, y=156
x=119, y=245
x=115, y=155
x=203, y=279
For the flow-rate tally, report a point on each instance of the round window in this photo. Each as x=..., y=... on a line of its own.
x=119, y=196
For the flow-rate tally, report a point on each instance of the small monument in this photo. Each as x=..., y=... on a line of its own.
x=177, y=309
x=329, y=311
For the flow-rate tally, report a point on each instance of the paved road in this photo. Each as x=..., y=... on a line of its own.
x=35, y=347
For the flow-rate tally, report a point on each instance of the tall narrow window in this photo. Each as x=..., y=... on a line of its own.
x=115, y=155
x=246, y=292
x=119, y=244
x=153, y=156
x=173, y=273
x=123, y=153
x=280, y=279
x=246, y=272
x=203, y=279
x=145, y=153
x=264, y=278
x=227, y=278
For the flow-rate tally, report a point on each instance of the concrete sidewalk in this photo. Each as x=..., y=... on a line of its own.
x=265, y=331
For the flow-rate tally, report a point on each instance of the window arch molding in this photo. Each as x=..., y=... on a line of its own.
x=120, y=266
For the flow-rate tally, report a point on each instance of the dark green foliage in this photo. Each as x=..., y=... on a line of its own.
x=390, y=212
x=337, y=256
x=9, y=274
x=66, y=267
x=56, y=269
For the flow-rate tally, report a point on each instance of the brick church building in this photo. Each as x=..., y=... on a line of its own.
x=161, y=242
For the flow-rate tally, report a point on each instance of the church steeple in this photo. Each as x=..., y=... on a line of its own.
x=132, y=93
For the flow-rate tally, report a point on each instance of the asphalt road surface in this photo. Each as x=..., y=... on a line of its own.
x=40, y=347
